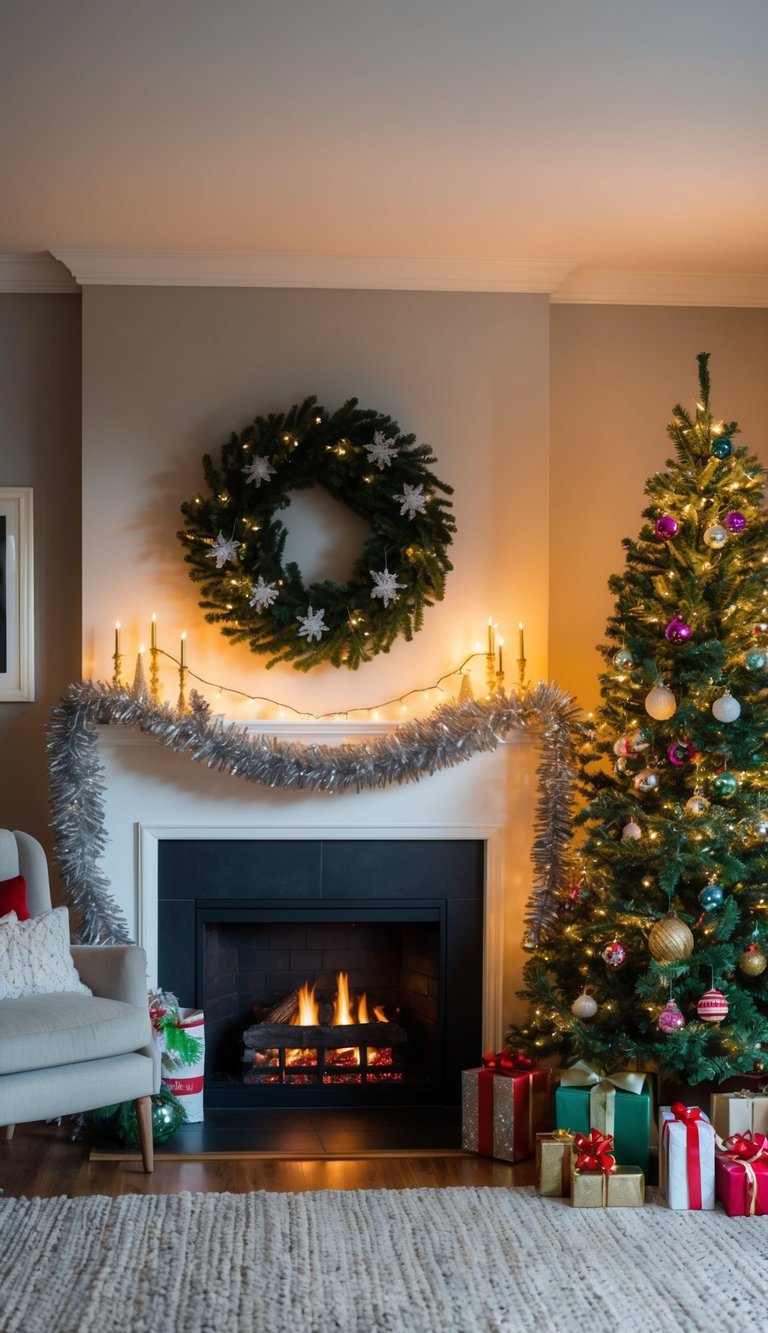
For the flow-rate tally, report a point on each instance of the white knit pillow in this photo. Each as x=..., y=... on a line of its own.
x=35, y=957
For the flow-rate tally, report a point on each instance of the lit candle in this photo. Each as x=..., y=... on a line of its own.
x=521, y=647
x=490, y=635
x=153, y=639
x=501, y=656
x=183, y=657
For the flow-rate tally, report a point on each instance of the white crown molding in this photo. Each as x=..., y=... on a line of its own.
x=35, y=273
x=585, y=286
x=165, y=269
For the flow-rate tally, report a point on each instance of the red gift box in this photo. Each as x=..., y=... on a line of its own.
x=741, y=1175
x=504, y=1105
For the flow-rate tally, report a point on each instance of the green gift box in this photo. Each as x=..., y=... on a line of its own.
x=617, y=1104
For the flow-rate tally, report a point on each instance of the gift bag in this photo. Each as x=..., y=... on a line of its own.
x=180, y=1035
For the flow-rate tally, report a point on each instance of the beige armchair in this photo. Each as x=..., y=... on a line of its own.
x=65, y=1053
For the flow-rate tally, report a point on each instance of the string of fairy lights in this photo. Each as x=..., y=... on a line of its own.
x=493, y=656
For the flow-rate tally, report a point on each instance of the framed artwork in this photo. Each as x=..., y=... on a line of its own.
x=17, y=611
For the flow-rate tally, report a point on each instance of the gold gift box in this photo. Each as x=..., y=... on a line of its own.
x=623, y=1187
x=553, y=1163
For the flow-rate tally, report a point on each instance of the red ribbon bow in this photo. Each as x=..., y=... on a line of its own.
x=753, y=1147
x=685, y=1113
x=507, y=1060
x=595, y=1152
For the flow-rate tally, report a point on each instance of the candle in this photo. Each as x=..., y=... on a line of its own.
x=501, y=656
x=153, y=639
x=117, y=638
x=490, y=635
x=521, y=648
x=183, y=657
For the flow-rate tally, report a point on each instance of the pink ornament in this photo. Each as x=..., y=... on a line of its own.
x=680, y=753
x=667, y=527
x=677, y=631
x=671, y=1019
x=614, y=954
x=713, y=1006
x=735, y=522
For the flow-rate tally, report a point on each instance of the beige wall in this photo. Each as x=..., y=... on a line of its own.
x=40, y=447
x=169, y=373
x=617, y=372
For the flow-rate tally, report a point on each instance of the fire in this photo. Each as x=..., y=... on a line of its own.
x=345, y=1013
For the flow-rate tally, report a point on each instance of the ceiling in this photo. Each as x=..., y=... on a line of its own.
x=579, y=134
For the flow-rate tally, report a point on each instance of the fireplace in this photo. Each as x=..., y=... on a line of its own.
x=244, y=925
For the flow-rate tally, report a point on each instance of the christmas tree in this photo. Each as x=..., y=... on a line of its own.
x=656, y=950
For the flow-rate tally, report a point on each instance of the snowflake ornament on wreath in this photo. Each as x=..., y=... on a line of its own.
x=234, y=538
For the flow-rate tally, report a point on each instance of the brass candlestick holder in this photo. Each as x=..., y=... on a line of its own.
x=521, y=672
x=182, y=704
x=154, y=676
x=491, y=677
x=117, y=673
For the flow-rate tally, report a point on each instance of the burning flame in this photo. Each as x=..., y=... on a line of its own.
x=345, y=1013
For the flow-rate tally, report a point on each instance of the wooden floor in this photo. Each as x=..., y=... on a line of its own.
x=41, y=1161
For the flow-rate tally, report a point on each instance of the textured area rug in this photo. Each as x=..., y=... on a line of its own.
x=405, y=1261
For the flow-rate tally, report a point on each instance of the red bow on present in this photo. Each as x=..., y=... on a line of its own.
x=507, y=1060
x=685, y=1113
x=595, y=1153
x=747, y=1147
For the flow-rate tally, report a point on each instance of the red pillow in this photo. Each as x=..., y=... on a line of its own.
x=13, y=897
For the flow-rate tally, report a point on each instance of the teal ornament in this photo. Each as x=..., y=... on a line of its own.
x=711, y=897
x=721, y=447
x=725, y=784
x=623, y=660
x=755, y=660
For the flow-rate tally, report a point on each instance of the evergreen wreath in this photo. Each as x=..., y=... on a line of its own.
x=235, y=539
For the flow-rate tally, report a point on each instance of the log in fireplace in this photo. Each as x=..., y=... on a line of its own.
x=244, y=925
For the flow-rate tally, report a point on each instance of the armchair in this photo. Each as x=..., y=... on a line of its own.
x=64, y=1053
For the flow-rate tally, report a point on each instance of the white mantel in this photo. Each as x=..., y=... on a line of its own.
x=153, y=793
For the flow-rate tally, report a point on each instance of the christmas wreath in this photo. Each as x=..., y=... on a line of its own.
x=235, y=539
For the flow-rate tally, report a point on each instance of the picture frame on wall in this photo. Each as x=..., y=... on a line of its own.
x=17, y=611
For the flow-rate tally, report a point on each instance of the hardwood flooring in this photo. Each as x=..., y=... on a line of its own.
x=40, y=1161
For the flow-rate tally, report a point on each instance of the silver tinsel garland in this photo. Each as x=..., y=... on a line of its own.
x=450, y=735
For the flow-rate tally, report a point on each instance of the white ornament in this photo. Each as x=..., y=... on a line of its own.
x=385, y=586
x=726, y=708
x=262, y=594
x=258, y=470
x=382, y=451
x=414, y=501
x=660, y=703
x=622, y=746
x=631, y=831
x=312, y=625
x=584, y=1006
x=223, y=549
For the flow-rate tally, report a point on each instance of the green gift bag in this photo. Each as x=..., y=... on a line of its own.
x=617, y=1104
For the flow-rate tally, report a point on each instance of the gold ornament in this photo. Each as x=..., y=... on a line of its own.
x=670, y=940
x=753, y=961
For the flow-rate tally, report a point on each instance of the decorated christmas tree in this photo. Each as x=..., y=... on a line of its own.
x=656, y=951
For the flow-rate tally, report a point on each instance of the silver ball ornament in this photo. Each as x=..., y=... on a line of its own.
x=716, y=536
x=647, y=781
x=623, y=660
x=584, y=1006
x=696, y=804
x=726, y=708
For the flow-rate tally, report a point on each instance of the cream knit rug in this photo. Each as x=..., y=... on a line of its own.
x=406, y=1261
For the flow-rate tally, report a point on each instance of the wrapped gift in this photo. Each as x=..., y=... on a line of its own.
x=596, y=1180
x=503, y=1106
x=553, y=1163
x=687, y=1157
x=743, y=1112
x=741, y=1175
x=617, y=1104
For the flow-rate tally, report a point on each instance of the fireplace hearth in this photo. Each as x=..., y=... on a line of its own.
x=244, y=925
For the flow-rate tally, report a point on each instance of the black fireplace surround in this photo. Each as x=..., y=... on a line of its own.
x=248, y=920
